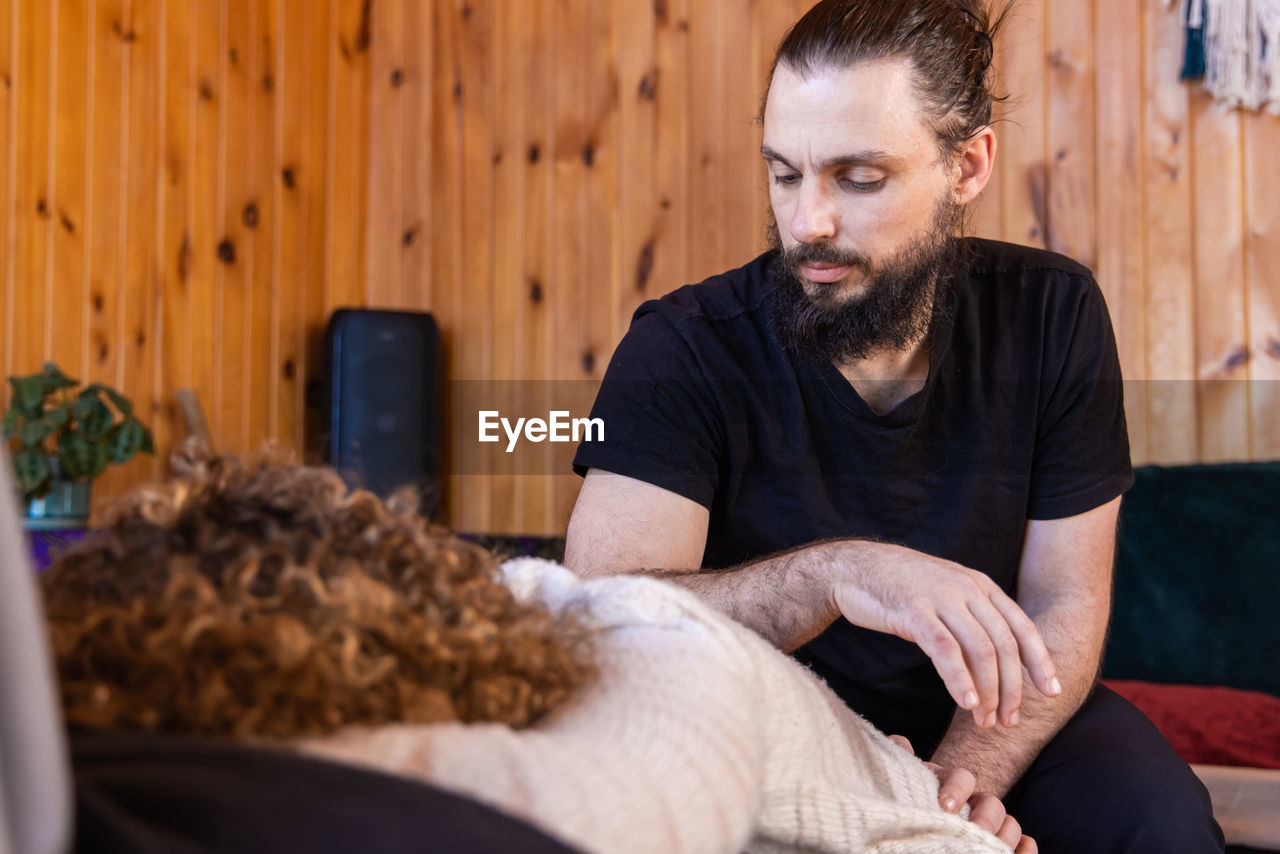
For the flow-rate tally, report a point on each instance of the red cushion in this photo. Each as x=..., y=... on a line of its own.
x=1210, y=725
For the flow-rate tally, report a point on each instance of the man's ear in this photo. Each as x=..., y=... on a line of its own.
x=974, y=165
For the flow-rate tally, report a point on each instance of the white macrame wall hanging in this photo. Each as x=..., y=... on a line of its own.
x=1241, y=50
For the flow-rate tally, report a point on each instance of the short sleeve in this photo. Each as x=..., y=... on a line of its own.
x=1081, y=457
x=659, y=414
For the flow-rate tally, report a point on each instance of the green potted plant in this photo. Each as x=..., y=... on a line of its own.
x=61, y=436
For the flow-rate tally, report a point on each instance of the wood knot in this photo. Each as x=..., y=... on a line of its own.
x=410, y=234
x=1237, y=358
x=250, y=215
x=397, y=78
x=660, y=11
x=589, y=156
x=644, y=265
x=206, y=90
x=289, y=178
x=288, y=369
x=98, y=303
x=226, y=252
x=648, y=88
x=1272, y=348
x=128, y=36
x=535, y=153
x=42, y=209
x=184, y=258
x=535, y=292
x=67, y=224
x=588, y=361
x=268, y=83
x=233, y=56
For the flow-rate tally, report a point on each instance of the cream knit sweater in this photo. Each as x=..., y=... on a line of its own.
x=698, y=736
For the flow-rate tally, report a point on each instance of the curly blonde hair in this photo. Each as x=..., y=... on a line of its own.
x=265, y=599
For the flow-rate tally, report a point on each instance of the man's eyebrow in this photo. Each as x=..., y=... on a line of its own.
x=869, y=157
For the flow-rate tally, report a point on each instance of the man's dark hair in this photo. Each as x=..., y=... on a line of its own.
x=950, y=44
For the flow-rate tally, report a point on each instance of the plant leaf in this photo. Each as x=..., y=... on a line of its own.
x=125, y=441
x=96, y=418
x=76, y=455
x=28, y=394
x=98, y=459
x=118, y=400
x=34, y=430
x=57, y=416
x=55, y=380
x=10, y=423
x=148, y=443
x=31, y=470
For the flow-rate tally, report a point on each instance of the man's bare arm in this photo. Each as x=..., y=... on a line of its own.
x=976, y=636
x=1065, y=586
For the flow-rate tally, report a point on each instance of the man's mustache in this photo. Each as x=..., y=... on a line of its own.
x=825, y=253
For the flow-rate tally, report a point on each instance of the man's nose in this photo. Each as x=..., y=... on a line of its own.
x=815, y=214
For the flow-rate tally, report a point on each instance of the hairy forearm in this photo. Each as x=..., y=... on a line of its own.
x=998, y=756
x=784, y=597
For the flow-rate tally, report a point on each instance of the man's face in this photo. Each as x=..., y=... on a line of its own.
x=862, y=205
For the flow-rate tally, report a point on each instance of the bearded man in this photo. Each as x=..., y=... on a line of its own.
x=897, y=453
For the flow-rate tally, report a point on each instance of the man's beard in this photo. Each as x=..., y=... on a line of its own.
x=903, y=298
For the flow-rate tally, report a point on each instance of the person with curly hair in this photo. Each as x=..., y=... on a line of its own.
x=267, y=604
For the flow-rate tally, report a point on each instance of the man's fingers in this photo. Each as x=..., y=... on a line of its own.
x=1035, y=655
x=981, y=660
x=1008, y=661
x=988, y=813
x=1027, y=845
x=956, y=787
x=944, y=651
x=903, y=742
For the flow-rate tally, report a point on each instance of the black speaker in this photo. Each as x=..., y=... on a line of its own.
x=383, y=399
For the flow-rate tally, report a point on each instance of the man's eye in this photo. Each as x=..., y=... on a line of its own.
x=786, y=180
x=862, y=186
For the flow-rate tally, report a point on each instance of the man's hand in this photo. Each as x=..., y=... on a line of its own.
x=956, y=787
x=977, y=637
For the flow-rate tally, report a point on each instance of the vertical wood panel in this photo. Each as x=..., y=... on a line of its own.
x=291, y=269
x=707, y=168
x=1171, y=403
x=1120, y=225
x=347, y=135
x=1262, y=213
x=671, y=255
x=385, y=177
x=205, y=270
x=235, y=247
x=507, y=245
x=1025, y=183
x=1071, y=198
x=68, y=317
x=309, y=179
x=141, y=283
x=174, y=359
x=417, y=225
x=8, y=168
x=32, y=214
x=105, y=196
x=1221, y=348
x=260, y=219
x=537, y=52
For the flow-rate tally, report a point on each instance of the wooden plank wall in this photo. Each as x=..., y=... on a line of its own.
x=190, y=187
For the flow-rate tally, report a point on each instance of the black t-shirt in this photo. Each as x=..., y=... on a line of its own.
x=1021, y=418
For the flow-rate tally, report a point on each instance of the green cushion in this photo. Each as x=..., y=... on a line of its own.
x=1197, y=592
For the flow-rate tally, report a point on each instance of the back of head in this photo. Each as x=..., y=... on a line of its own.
x=949, y=43
x=266, y=599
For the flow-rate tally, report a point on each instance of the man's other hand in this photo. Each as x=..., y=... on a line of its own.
x=977, y=637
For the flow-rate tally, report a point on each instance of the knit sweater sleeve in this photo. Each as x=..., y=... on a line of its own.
x=697, y=736
x=662, y=752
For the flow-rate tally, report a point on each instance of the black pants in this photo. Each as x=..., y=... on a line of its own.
x=1109, y=782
